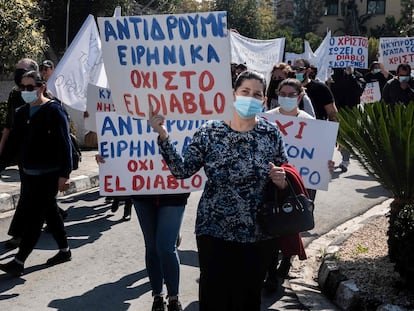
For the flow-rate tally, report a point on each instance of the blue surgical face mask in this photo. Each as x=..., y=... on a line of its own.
x=29, y=96
x=377, y=70
x=300, y=76
x=287, y=103
x=404, y=78
x=247, y=107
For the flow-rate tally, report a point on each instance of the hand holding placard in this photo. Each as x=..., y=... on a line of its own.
x=157, y=123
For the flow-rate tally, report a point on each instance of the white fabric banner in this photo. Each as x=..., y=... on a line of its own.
x=258, y=55
x=81, y=64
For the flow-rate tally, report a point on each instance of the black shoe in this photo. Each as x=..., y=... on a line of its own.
x=174, y=305
x=158, y=304
x=60, y=257
x=127, y=210
x=284, y=267
x=13, y=243
x=179, y=239
x=12, y=268
x=115, y=205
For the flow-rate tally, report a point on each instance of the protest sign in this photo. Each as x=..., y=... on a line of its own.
x=395, y=51
x=309, y=145
x=99, y=100
x=348, y=51
x=133, y=164
x=371, y=93
x=258, y=55
x=179, y=64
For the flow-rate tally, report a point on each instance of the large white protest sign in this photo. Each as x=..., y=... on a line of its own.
x=309, y=144
x=395, y=51
x=133, y=164
x=99, y=100
x=81, y=64
x=371, y=93
x=348, y=51
x=258, y=55
x=179, y=64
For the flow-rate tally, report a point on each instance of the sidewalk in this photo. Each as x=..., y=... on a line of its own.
x=84, y=178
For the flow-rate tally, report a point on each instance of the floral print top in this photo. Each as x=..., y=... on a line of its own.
x=237, y=168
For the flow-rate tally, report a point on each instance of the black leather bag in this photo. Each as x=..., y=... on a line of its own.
x=285, y=215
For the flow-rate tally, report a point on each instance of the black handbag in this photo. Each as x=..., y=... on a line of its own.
x=285, y=215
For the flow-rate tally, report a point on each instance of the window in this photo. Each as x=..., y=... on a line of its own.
x=331, y=7
x=376, y=7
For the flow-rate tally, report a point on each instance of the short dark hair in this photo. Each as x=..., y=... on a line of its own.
x=405, y=67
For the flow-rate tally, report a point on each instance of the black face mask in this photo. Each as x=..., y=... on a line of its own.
x=18, y=73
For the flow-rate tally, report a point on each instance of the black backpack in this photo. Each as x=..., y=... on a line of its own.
x=76, y=152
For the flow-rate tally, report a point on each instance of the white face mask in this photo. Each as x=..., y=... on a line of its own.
x=288, y=103
x=29, y=96
x=377, y=70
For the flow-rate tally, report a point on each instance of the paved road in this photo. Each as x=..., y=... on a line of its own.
x=108, y=272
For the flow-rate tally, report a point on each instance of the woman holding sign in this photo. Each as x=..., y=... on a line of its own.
x=238, y=157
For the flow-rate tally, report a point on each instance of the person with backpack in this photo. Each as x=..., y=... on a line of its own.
x=40, y=139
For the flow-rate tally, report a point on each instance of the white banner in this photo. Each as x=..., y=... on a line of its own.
x=133, y=164
x=81, y=64
x=258, y=55
x=179, y=64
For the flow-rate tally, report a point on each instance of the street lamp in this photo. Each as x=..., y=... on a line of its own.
x=67, y=24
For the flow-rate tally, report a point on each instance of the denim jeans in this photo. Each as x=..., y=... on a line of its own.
x=160, y=226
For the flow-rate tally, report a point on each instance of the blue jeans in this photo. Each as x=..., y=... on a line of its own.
x=160, y=226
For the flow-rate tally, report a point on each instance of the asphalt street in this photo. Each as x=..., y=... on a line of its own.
x=107, y=271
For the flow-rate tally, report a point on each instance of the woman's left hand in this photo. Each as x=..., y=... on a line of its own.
x=278, y=176
x=63, y=183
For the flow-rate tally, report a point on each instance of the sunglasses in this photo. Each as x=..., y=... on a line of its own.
x=28, y=87
x=299, y=68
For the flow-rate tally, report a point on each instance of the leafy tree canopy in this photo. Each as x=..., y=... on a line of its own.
x=21, y=34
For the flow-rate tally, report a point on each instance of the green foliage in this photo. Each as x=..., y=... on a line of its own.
x=267, y=22
x=354, y=24
x=407, y=18
x=3, y=113
x=373, y=47
x=314, y=40
x=21, y=35
x=307, y=16
x=360, y=250
x=382, y=139
x=389, y=29
x=292, y=44
x=242, y=15
x=401, y=239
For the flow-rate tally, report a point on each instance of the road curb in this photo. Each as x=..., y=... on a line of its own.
x=335, y=286
x=8, y=201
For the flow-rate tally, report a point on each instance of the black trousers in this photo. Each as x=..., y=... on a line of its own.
x=39, y=200
x=232, y=274
x=18, y=222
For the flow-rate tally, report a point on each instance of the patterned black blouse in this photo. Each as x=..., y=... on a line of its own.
x=237, y=168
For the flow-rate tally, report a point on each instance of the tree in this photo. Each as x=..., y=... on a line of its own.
x=21, y=33
x=354, y=24
x=382, y=139
x=267, y=23
x=307, y=16
x=389, y=29
x=407, y=18
x=241, y=15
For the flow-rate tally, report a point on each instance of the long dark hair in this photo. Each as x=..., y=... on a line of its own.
x=250, y=75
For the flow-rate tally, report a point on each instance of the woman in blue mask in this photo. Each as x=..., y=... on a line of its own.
x=40, y=139
x=238, y=157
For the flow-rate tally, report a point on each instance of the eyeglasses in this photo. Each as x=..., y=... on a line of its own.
x=291, y=95
x=28, y=87
x=298, y=68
